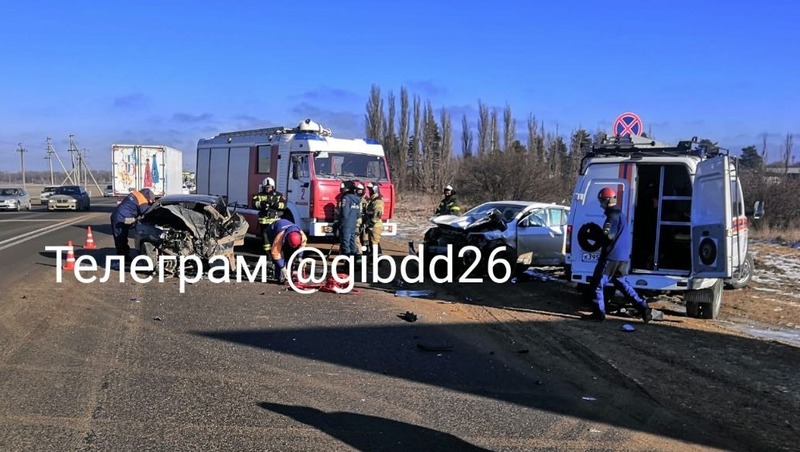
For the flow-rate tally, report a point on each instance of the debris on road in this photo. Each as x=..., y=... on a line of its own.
x=414, y=293
x=589, y=398
x=157, y=318
x=435, y=348
x=408, y=316
x=628, y=327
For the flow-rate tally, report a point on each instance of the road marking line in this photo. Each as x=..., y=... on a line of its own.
x=8, y=243
x=51, y=220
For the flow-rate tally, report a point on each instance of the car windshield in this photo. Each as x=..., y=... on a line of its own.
x=509, y=211
x=67, y=191
x=9, y=192
x=341, y=164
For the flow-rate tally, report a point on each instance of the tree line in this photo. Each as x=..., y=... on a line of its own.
x=494, y=164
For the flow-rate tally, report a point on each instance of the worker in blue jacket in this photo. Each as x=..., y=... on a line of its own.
x=349, y=216
x=125, y=215
x=612, y=265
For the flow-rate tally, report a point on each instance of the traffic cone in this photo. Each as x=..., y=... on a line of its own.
x=70, y=264
x=89, y=240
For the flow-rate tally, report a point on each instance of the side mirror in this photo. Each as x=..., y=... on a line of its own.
x=758, y=210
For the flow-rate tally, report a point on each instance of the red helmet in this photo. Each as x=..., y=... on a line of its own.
x=607, y=196
x=294, y=239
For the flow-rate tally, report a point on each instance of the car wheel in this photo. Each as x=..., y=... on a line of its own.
x=30, y=207
x=742, y=278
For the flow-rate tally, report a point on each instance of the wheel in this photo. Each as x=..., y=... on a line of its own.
x=30, y=207
x=704, y=303
x=742, y=278
x=19, y=207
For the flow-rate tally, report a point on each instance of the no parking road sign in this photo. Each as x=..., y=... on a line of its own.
x=628, y=124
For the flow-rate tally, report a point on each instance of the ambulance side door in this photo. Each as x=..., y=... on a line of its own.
x=711, y=219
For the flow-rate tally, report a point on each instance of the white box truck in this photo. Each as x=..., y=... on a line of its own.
x=138, y=166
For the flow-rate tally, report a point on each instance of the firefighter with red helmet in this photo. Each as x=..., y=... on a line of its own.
x=612, y=265
x=286, y=238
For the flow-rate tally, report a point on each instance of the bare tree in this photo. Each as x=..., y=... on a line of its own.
x=388, y=125
x=402, y=140
x=444, y=172
x=764, y=153
x=466, y=138
x=483, y=128
x=787, y=152
x=508, y=128
x=532, y=135
x=495, y=133
x=374, y=117
x=413, y=149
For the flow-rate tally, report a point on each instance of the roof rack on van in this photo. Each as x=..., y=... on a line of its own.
x=625, y=146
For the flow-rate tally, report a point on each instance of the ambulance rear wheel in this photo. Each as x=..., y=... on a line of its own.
x=704, y=303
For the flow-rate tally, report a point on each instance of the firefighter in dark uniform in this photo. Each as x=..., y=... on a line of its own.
x=372, y=219
x=270, y=205
x=449, y=204
x=349, y=216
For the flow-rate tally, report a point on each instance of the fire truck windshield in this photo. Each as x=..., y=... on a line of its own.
x=340, y=164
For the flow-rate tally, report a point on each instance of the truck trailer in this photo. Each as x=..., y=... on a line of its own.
x=138, y=166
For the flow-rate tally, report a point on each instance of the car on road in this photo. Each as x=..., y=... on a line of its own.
x=108, y=192
x=533, y=233
x=47, y=191
x=69, y=197
x=183, y=225
x=14, y=198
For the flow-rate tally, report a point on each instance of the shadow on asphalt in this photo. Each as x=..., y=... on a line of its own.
x=444, y=356
x=368, y=433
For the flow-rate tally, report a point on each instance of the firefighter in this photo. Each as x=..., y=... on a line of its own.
x=372, y=219
x=285, y=238
x=612, y=265
x=360, y=191
x=349, y=215
x=270, y=205
x=124, y=216
x=449, y=204
x=337, y=211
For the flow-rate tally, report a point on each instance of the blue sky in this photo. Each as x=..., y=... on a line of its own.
x=155, y=72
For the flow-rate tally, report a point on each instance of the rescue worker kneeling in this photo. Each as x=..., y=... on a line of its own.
x=285, y=238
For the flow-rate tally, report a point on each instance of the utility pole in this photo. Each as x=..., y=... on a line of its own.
x=72, y=151
x=22, y=152
x=49, y=158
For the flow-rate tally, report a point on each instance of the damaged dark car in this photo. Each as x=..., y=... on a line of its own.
x=533, y=234
x=185, y=225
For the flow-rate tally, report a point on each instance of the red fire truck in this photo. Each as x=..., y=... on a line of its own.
x=308, y=165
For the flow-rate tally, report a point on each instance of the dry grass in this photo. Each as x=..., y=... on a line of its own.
x=764, y=232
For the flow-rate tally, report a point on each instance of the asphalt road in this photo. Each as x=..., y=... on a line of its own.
x=130, y=366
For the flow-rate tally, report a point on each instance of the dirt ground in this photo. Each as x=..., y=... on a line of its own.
x=738, y=373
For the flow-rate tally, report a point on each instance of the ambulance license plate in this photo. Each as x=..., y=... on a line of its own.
x=590, y=257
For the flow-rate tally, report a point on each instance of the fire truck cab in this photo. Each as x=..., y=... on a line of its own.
x=308, y=165
x=684, y=211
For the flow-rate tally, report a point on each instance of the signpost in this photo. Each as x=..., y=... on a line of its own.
x=628, y=124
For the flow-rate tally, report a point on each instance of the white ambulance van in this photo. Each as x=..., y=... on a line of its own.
x=684, y=210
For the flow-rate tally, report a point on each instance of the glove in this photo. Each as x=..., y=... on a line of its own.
x=130, y=220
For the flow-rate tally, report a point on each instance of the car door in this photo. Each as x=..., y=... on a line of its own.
x=535, y=235
x=711, y=219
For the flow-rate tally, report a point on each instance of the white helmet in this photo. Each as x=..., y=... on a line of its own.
x=268, y=182
x=448, y=188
